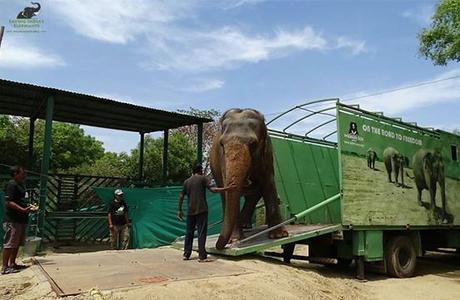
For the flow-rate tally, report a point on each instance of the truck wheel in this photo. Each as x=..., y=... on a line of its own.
x=400, y=257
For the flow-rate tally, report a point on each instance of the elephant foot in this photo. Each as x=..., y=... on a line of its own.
x=237, y=235
x=278, y=233
x=246, y=226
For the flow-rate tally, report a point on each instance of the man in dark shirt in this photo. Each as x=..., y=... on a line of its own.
x=118, y=222
x=15, y=220
x=197, y=211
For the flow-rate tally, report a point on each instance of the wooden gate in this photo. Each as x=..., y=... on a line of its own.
x=74, y=213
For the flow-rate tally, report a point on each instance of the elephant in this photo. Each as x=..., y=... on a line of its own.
x=428, y=168
x=371, y=158
x=394, y=163
x=29, y=12
x=242, y=156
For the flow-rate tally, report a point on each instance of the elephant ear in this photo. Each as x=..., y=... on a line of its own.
x=268, y=150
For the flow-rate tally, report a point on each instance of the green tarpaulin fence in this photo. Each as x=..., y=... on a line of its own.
x=153, y=213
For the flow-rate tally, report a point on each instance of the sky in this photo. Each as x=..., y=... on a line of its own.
x=268, y=55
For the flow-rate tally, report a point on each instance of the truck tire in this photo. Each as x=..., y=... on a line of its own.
x=400, y=257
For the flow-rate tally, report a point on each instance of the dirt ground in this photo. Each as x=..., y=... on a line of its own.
x=438, y=277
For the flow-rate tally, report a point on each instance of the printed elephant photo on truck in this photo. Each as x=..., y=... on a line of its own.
x=428, y=169
x=394, y=165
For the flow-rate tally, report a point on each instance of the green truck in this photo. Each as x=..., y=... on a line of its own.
x=382, y=194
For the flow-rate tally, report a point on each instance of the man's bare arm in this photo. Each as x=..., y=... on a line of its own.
x=110, y=220
x=17, y=207
x=221, y=189
x=179, y=209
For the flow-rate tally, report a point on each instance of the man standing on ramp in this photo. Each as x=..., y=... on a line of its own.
x=197, y=211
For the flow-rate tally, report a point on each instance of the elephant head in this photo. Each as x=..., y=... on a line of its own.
x=434, y=166
x=237, y=151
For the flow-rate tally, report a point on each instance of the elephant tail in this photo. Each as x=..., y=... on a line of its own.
x=408, y=175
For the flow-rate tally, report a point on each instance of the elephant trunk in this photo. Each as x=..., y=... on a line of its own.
x=38, y=6
x=237, y=163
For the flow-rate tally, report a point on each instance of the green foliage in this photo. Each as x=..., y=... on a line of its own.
x=441, y=42
x=181, y=157
x=13, y=150
x=70, y=146
x=109, y=165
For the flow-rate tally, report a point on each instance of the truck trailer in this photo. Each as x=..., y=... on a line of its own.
x=382, y=194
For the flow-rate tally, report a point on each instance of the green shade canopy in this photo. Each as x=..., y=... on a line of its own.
x=27, y=100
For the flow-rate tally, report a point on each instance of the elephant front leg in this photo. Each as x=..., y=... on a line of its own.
x=389, y=171
x=396, y=170
x=433, y=196
x=443, y=200
x=272, y=211
x=248, y=210
x=402, y=176
x=237, y=234
x=419, y=196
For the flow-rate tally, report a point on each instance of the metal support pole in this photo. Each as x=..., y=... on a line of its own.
x=165, y=154
x=199, y=143
x=288, y=252
x=141, y=157
x=31, y=142
x=2, y=31
x=46, y=161
x=360, y=268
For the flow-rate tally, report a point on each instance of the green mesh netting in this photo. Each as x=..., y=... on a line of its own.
x=153, y=214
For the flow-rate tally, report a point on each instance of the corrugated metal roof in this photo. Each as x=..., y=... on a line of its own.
x=28, y=100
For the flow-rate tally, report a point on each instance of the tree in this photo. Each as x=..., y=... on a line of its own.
x=110, y=165
x=441, y=42
x=70, y=147
x=181, y=158
x=12, y=150
x=209, y=131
